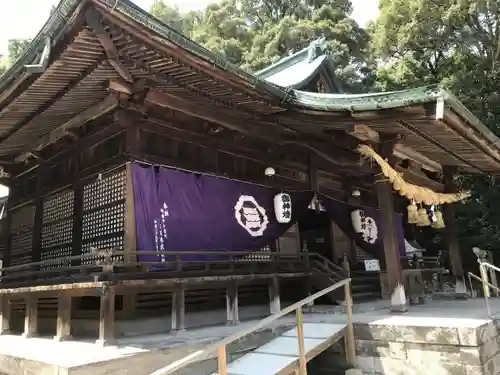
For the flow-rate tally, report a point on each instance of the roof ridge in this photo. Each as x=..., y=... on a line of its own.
x=310, y=52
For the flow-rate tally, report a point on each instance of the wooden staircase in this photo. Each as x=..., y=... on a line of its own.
x=365, y=285
x=286, y=354
x=281, y=355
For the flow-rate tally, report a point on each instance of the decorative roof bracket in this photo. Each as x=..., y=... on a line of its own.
x=93, y=20
x=44, y=59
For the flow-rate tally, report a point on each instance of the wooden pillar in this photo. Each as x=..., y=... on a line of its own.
x=63, y=324
x=132, y=147
x=38, y=219
x=232, y=308
x=274, y=296
x=390, y=238
x=130, y=238
x=130, y=304
x=450, y=233
x=76, y=243
x=31, y=317
x=6, y=240
x=178, y=309
x=5, y=313
x=107, y=316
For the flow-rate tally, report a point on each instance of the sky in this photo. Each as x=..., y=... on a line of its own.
x=24, y=18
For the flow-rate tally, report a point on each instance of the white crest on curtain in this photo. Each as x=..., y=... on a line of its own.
x=161, y=232
x=364, y=225
x=283, y=208
x=250, y=215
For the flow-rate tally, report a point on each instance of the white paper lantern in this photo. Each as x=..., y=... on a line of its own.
x=356, y=219
x=283, y=208
x=365, y=226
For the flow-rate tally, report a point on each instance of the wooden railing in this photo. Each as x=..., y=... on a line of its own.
x=105, y=265
x=220, y=346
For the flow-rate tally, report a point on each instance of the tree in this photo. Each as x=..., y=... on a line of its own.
x=3, y=67
x=283, y=27
x=454, y=43
x=170, y=15
x=257, y=33
x=16, y=47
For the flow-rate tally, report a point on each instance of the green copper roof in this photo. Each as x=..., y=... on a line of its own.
x=299, y=69
x=387, y=100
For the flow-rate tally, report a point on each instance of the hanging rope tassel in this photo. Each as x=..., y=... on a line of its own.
x=439, y=223
x=423, y=218
x=412, y=213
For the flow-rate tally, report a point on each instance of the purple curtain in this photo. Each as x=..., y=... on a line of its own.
x=370, y=240
x=179, y=211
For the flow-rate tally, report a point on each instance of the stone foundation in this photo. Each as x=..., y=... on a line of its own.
x=423, y=350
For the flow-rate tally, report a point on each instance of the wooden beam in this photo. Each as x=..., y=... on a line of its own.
x=270, y=132
x=102, y=107
x=419, y=179
x=94, y=21
x=405, y=152
x=5, y=314
x=178, y=309
x=63, y=324
x=31, y=317
x=107, y=316
x=225, y=145
x=165, y=100
x=363, y=133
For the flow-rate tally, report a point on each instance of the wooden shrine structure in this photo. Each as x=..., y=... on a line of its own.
x=104, y=83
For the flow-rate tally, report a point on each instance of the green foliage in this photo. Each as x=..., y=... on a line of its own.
x=16, y=48
x=457, y=44
x=257, y=33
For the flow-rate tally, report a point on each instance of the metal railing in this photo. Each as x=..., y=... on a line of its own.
x=484, y=280
x=483, y=269
x=220, y=346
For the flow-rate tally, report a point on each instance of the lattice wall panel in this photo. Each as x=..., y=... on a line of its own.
x=104, y=213
x=21, y=234
x=57, y=227
x=104, y=191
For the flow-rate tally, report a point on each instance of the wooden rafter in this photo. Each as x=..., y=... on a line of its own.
x=272, y=157
x=93, y=20
x=230, y=121
x=90, y=113
x=54, y=100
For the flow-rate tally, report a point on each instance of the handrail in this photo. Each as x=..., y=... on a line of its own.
x=484, y=275
x=489, y=265
x=327, y=261
x=220, y=346
x=484, y=282
x=481, y=280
